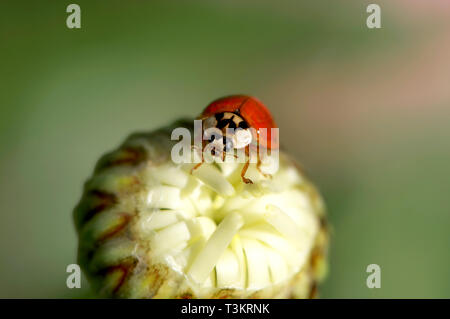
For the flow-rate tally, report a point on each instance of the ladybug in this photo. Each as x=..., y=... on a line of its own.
x=246, y=116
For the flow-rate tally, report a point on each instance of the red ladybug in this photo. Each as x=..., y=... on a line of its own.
x=246, y=116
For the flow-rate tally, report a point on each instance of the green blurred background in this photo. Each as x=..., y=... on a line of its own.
x=366, y=112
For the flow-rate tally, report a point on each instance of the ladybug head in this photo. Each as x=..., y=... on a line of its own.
x=226, y=131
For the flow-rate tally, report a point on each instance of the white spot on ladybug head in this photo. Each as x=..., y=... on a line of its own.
x=209, y=122
x=242, y=138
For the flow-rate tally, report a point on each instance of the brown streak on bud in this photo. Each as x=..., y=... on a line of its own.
x=96, y=202
x=125, y=218
x=129, y=156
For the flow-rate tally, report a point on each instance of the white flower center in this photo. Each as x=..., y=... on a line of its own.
x=221, y=233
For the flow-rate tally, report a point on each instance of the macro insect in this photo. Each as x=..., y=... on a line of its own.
x=238, y=122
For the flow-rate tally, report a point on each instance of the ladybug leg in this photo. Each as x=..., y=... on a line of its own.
x=194, y=147
x=197, y=166
x=244, y=170
x=258, y=166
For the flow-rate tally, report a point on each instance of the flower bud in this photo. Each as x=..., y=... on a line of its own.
x=149, y=228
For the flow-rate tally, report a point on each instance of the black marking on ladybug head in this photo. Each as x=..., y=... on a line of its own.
x=231, y=123
x=243, y=125
x=228, y=120
x=218, y=116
